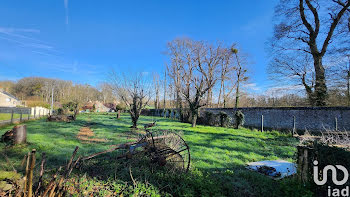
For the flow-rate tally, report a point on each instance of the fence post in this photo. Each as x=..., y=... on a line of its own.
x=34, y=113
x=262, y=123
x=29, y=115
x=336, y=124
x=20, y=118
x=12, y=116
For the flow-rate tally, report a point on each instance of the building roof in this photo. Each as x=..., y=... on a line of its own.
x=9, y=95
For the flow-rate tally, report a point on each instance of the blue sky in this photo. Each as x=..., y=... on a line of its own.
x=83, y=40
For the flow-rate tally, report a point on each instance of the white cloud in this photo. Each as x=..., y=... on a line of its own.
x=8, y=30
x=74, y=67
x=23, y=37
x=28, y=43
x=252, y=86
x=18, y=32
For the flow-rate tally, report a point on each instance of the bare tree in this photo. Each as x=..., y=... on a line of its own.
x=156, y=89
x=175, y=52
x=303, y=26
x=210, y=59
x=134, y=91
x=240, y=72
x=164, y=88
x=106, y=92
x=223, y=78
x=193, y=59
x=230, y=72
x=295, y=71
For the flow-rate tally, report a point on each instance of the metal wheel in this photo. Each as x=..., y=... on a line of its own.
x=168, y=149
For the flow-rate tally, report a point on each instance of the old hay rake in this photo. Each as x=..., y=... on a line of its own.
x=163, y=148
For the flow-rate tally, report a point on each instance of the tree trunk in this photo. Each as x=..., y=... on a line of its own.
x=220, y=94
x=194, y=120
x=118, y=114
x=320, y=85
x=309, y=92
x=164, y=90
x=194, y=115
x=209, y=98
x=237, y=94
x=134, y=122
x=18, y=135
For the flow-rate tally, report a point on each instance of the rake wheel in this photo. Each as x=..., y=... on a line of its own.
x=168, y=149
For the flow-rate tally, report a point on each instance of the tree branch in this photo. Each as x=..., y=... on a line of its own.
x=333, y=26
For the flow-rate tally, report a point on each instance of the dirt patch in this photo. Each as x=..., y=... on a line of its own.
x=86, y=135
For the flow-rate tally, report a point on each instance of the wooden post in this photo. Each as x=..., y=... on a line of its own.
x=29, y=116
x=26, y=176
x=262, y=123
x=30, y=175
x=336, y=124
x=11, y=116
x=34, y=113
x=305, y=155
x=20, y=118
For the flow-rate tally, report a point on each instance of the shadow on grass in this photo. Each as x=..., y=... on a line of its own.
x=218, y=155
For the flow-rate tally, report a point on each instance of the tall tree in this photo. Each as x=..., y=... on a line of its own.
x=241, y=77
x=195, y=81
x=212, y=57
x=156, y=90
x=314, y=27
x=173, y=70
x=165, y=90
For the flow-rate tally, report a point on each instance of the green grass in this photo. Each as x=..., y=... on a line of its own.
x=219, y=156
x=5, y=116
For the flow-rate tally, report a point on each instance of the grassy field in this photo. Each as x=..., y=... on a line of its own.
x=5, y=116
x=218, y=156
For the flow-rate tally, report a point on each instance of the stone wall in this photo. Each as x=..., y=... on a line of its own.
x=286, y=118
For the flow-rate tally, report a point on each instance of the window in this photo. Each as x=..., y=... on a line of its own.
x=8, y=99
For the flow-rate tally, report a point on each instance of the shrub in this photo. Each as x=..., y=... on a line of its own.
x=59, y=111
x=224, y=119
x=211, y=119
x=239, y=119
x=71, y=106
x=120, y=107
x=168, y=114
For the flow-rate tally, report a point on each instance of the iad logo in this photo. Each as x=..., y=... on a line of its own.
x=335, y=191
